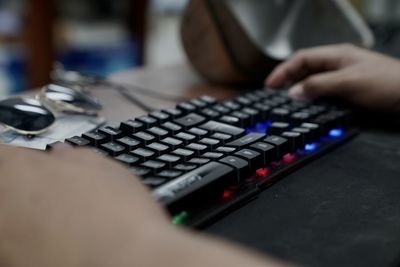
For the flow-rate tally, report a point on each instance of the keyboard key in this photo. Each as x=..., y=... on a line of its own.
x=226, y=149
x=111, y=133
x=113, y=149
x=243, y=101
x=281, y=144
x=144, y=137
x=77, y=141
x=154, y=165
x=128, y=142
x=159, y=148
x=127, y=159
x=160, y=116
x=198, y=103
x=276, y=128
x=314, y=128
x=141, y=172
x=173, y=128
x=241, y=166
x=214, y=126
x=154, y=182
x=171, y=160
x=222, y=137
x=185, y=154
x=221, y=109
x=147, y=121
x=95, y=138
x=280, y=114
x=210, y=113
x=199, y=133
x=190, y=120
x=295, y=140
x=247, y=140
x=185, y=167
x=158, y=132
x=186, y=107
x=213, y=155
x=185, y=137
x=143, y=154
x=131, y=126
x=231, y=105
x=244, y=118
x=268, y=151
x=254, y=158
x=306, y=133
x=231, y=120
x=197, y=148
x=173, y=112
x=255, y=115
x=169, y=174
x=299, y=117
x=172, y=142
x=199, y=161
x=191, y=187
x=210, y=142
x=208, y=99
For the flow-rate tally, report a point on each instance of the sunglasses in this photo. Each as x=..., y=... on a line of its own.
x=33, y=116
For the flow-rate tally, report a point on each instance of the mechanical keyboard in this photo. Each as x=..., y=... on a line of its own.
x=203, y=158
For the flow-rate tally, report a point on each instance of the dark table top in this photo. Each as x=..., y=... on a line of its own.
x=340, y=210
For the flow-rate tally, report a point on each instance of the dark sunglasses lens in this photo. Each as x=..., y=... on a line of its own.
x=75, y=98
x=24, y=114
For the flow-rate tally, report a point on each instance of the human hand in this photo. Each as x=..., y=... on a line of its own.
x=71, y=207
x=361, y=77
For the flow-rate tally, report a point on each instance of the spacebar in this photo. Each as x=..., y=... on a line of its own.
x=194, y=185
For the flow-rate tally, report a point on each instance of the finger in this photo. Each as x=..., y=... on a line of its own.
x=307, y=62
x=321, y=85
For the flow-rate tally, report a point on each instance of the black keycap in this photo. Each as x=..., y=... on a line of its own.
x=143, y=154
x=199, y=133
x=252, y=96
x=221, y=109
x=280, y=114
x=171, y=160
x=197, y=148
x=184, y=154
x=212, y=155
x=158, y=132
x=295, y=140
x=281, y=144
x=185, y=167
x=173, y=112
x=160, y=116
x=231, y=120
x=186, y=107
x=95, y=138
x=147, y=121
x=128, y=142
x=299, y=117
x=267, y=151
x=231, y=105
x=191, y=187
x=144, y=137
x=254, y=158
x=173, y=143
x=226, y=149
x=131, y=126
x=208, y=99
x=255, y=115
x=154, y=165
x=77, y=141
x=325, y=123
x=264, y=111
x=190, y=120
x=224, y=138
x=198, y=103
x=113, y=149
x=199, y=161
x=127, y=159
x=210, y=113
x=173, y=128
x=306, y=133
x=111, y=133
x=141, y=172
x=245, y=119
x=246, y=140
x=158, y=148
x=241, y=166
x=185, y=137
x=210, y=142
x=314, y=128
x=154, y=182
x=243, y=100
x=276, y=128
x=169, y=174
x=214, y=126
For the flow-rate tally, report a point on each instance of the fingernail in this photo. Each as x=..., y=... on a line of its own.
x=297, y=92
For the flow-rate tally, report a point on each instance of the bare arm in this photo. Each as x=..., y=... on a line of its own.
x=74, y=208
x=364, y=78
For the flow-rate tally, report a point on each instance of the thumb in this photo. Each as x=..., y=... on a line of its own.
x=319, y=85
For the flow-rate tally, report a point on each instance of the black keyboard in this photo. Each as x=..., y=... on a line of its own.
x=204, y=157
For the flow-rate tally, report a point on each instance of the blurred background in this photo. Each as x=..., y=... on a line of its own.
x=105, y=36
